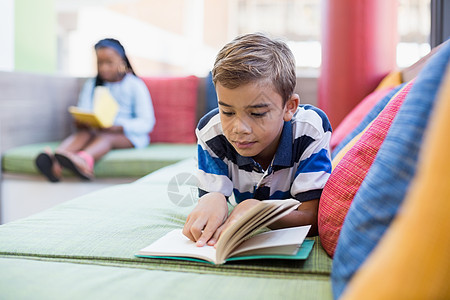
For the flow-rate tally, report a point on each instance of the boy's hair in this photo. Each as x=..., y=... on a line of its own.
x=255, y=57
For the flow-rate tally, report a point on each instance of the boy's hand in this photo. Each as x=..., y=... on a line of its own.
x=306, y=214
x=236, y=214
x=202, y=223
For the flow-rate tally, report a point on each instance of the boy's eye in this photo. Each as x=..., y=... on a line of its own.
x=259, y=115
x=227, y=113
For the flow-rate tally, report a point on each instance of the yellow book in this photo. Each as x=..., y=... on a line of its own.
x=104, y=111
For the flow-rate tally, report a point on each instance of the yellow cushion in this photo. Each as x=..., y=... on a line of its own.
x=392, y=79
x=412, y=259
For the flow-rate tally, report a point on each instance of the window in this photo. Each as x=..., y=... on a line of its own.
x=299, y=22
x=187, y=42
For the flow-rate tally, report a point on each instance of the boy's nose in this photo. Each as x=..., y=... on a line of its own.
x=241, y=126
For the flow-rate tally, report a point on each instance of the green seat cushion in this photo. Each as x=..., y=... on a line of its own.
x=111, y=225
x=116, y=163
x=185, y=168
x=34, y=279
x=92, y=240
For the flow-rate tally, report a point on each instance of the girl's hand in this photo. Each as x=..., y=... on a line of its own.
x=113, y=129
x=202, y=223
x=80, y=125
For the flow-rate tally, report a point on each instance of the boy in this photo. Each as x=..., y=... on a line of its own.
x=259, y=144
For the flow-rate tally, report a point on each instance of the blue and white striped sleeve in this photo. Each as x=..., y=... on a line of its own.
x=212, y=171
x=314, y=166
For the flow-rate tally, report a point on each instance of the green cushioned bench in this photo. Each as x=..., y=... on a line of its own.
x=84, y=248
x=117, y=163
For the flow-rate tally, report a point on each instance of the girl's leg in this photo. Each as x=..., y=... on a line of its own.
x=103, y=142
x=49, y=166
x=82, y=162
x=76, y=142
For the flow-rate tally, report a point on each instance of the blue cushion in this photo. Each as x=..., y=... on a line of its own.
x=366, y=120
x=211, y=96
x=384, y=188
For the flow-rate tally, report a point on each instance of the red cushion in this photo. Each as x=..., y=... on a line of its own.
x=352, y=120
x=350, y=172
x=174, y=102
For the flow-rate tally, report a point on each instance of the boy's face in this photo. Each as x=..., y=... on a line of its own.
x=252, y=117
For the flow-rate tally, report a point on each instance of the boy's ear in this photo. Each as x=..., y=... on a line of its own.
x=291, y=107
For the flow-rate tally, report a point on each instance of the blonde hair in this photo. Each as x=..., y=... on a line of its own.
x=255, y=57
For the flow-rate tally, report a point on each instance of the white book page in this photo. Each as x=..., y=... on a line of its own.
x=276, y=209
x=274, y=238
x=175, y=243
x=278, y=250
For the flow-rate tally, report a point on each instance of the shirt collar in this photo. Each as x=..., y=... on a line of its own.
x=283, y=155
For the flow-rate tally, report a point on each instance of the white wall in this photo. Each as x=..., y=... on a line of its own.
x=141, y=39
x=7, y=35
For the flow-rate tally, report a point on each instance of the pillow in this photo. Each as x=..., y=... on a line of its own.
x=379, y=106
x=349, y=123
x=377, y=200
x=359, y=131
x=175, y=103
x=416, y=245
x=211, y=95
x=356, y=116
x=337, y=158
x=346, y=178
x=391, y=80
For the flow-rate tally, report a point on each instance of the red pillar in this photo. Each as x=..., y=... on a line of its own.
x=359, y=39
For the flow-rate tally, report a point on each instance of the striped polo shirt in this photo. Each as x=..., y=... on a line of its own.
x=300, y=168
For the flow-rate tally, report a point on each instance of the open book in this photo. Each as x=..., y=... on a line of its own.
x=239, y=241
x=104, y=111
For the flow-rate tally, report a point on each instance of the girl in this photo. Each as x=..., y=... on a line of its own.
x=132, y=125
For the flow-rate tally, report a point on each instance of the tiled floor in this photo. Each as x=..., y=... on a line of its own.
x=22, y=196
